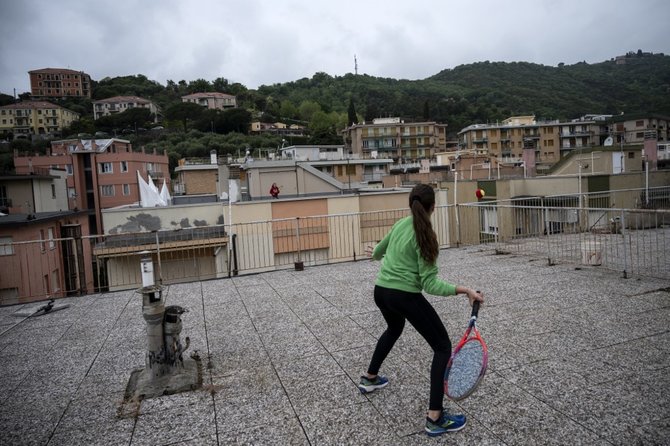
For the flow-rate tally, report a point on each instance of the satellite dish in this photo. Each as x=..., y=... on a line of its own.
x=224, y=195
x=608, y=142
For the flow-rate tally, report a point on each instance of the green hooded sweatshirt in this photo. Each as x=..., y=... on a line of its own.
x=403, y=268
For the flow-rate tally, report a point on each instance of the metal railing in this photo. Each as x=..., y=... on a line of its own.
x=626, y=231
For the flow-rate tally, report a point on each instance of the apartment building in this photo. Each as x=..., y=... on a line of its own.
x=102, y=173
x=637, y=129
x=212, y=100
x=119, y=104
x=396, y=139
x=28, y=118
x=33, y=219
x=59, y=83
x=550, y=140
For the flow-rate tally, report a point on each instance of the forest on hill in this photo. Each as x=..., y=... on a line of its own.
x=483, y=92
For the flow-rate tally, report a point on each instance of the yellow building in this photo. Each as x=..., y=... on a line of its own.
x=27, y=118
x=394, y=138
x=552, y=140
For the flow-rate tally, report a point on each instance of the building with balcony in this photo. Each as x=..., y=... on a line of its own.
x=212, y=100
x=119, y=104
x=59, y=83
x=553, y=140
x=396, y=139
x=101, y=173
x=637, y=129
x=29, y=118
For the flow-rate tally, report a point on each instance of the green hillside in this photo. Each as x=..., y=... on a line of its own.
x=474, y=93
x=492, y=91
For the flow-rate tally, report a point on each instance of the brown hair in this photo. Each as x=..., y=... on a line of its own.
x=421, y=202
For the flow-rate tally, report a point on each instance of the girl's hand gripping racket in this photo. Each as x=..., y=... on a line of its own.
x=467, y=364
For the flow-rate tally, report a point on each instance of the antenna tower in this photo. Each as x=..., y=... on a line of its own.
x=355, y=65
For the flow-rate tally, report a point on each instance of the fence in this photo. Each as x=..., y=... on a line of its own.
x=590, y=229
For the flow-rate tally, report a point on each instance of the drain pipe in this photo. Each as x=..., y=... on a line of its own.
x=165, y=371
x=153, y=311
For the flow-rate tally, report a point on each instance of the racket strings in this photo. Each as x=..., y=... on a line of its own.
x=465, y=371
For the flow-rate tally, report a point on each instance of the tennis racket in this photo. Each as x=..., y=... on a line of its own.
x=467, y=364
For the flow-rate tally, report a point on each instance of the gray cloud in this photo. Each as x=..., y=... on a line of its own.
x=258, y=42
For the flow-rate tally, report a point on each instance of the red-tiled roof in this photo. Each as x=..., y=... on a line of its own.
x=208, y=95
x=31, y=105
x=117, y=99
x=57, y=70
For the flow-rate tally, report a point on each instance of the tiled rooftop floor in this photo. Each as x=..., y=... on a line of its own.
x=577, y=356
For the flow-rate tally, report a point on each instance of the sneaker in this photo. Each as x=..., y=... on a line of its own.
x=370, y=385
x=446, y=423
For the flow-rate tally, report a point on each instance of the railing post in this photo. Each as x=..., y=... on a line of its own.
x=457, y=211
x=625, y=251
x=353, y=236
x=299, y=265
x=158, y=256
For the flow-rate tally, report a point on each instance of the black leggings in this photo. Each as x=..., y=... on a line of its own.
x=396, y=306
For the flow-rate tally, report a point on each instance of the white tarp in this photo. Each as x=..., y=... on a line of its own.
x=165, y=194
x=149, y=195
x=233, y=191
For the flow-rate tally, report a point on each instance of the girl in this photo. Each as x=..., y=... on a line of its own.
x=409, y=266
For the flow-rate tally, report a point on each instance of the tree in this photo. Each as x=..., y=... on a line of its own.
x=199, y=86
x=236, y=120
x=184, y=112
x=220, y=84
x=6, y=99
x=351, y=112
x=288, y=110
x=307, y=109
x=426, y=111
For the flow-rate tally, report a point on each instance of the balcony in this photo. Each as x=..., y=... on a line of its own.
x=155, y=174
x=372, y=177
x=480, y=140
x=574, y=133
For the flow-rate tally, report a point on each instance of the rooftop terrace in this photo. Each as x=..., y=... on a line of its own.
x=578, y=355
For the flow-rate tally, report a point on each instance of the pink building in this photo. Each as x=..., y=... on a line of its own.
x=102, y=173
x=43, y=256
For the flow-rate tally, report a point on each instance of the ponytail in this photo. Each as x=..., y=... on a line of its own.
x=421, y=203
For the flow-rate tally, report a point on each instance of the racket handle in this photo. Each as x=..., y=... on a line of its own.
x=475, y=308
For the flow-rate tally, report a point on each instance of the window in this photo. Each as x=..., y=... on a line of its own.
x=42, y=245
x=55, y=282
x=150, y=167
x=53, y=191
x=126, y=189
x=52, y=244
x=107, y=190
x=68, y=169
x=71, y=192
x=631, y=155
x=124, y=166
x=639, y=123
x=6, y=247
x=105, y=168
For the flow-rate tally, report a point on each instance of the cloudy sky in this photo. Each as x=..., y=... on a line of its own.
x=257, y=42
